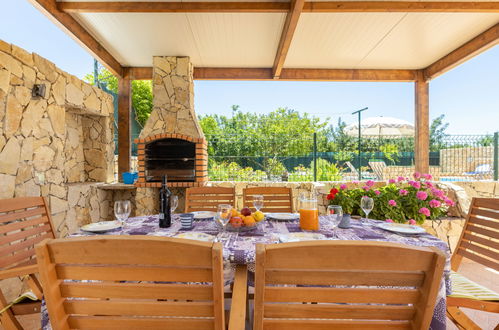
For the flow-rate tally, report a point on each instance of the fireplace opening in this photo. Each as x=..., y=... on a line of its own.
x=174, y=157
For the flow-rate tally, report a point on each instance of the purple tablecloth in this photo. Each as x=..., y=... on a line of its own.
x=239, y=248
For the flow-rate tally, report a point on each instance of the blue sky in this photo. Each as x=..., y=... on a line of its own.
x=467, y=95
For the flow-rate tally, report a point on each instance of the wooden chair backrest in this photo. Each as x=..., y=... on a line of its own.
x=134, y=282
x=275, y=199
x=388, y=283
x=208, y=198
x=24, y=222
x=479, y=240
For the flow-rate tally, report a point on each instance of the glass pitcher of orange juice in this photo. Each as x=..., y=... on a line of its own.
x=309, y=213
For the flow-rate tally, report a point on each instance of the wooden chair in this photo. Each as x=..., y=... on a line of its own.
x=208, y=198
x=275, y=199
x=479, y=242
x=135, y=282
x=406, y=281
x=24, y=222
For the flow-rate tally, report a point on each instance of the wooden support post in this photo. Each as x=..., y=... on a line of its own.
x=124, y=126
x=422, y=114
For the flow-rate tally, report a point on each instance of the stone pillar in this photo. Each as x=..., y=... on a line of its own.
x=173, y=102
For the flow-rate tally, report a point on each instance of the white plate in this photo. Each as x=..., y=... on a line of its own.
x=196, y=236
x=298, y=237
x=401, y=228
x=203, y=214
x=99, y=227
x=282, y=216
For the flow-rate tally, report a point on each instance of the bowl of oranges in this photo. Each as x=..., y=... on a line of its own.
x=244, y=220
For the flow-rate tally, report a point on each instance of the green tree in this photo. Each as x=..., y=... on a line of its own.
x=437, y=133
x=141, y=92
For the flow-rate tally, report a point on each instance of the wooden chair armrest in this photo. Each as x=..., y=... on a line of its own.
x=237, y=317
x=18, y=271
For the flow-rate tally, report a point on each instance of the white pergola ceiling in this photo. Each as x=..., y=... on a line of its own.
x=321, y=40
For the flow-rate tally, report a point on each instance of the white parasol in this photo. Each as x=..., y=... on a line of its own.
x=381, y=126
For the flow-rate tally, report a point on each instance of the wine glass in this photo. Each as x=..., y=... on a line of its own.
x=174, y=203
x=335, y=213
x=223, y=214
x=367, y=205
x=258, y=202
x=122, y=210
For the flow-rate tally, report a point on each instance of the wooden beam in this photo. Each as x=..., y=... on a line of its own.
x=75, y=30
x=124, y=124
x=305, y=74
x=140, y=73
x=475, y=46
x=287, y=35
x=279, y=7
x=422, y=115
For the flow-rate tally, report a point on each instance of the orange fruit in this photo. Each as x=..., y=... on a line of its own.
x=234, y=213
x=249, y=221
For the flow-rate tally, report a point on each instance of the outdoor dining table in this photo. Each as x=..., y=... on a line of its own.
x=239, y=247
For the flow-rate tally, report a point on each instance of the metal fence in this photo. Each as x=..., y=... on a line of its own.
x=321, y=158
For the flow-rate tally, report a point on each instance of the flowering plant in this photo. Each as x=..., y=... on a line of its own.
x=401, y=200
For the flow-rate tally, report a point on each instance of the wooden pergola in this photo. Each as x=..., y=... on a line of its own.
x=70, y=16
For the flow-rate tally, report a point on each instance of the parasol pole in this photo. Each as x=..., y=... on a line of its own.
x=359, y=146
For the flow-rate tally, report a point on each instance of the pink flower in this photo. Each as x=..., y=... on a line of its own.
x=427, y=176
x=391, y=181
x=377, y=192
x=429, y=184
x=424, y=211
x=416, y=184
x=355, y=182
x=366, y=188
x=403, y=192
x=343, y=186
x=400, y=178
x=434, y=203
x=389, y=220
x=449, y=202
x=437, y=193
x=370, y=183
x=412, y=221
x=391, y=202
x=421, y=195
x=417, y=175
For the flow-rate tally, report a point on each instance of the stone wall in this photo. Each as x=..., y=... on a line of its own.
x=52, y=146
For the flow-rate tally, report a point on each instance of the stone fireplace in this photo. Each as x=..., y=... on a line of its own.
x=172, y=141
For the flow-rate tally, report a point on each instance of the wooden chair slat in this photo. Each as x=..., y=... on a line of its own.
x=332, y=324
x=22, y=215
x=338, y=277
x=398, y=290
x=30, y=242
x=138, y=307
x=133, y=323
x=130, y=273
x=484, y=222
x=334, y=311
x=309, y=255
x=488, y=203
x=485, y=213
x=341, y=295
x=137, y=291
x=273, y=197
x=39, y=230
x=484, y=251
x=481, y=240
x=208, y=198
x=478, y=258
x=471, y=227
x=128, y=251
x=17, y=259
x=20, y=203
x=22, y=224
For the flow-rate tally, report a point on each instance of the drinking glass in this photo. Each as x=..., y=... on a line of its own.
x=335, y=213
x=366, y=204
x=174, y=203
x=122, y=210
x=223, y=214
x=258, y=202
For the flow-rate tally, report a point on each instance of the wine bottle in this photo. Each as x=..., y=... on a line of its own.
x=165, y=217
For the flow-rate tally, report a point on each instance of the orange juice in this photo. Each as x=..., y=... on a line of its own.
x=309, y=219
